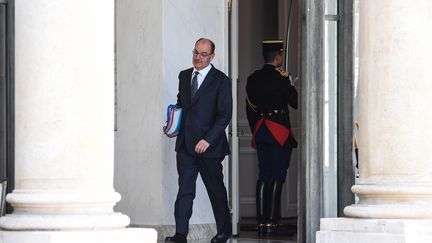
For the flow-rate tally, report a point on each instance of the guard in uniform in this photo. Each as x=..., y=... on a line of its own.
x=269, y=93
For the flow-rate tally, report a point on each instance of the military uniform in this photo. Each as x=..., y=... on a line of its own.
x=269, y=93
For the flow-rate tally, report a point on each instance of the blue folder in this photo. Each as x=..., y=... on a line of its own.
x=173, y=121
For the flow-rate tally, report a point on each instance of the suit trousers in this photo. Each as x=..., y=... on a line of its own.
x=210, y=169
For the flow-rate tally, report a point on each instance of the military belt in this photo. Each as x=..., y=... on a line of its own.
x=272, y=112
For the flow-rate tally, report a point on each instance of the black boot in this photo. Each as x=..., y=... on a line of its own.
x=275, y=191
x=262, y=206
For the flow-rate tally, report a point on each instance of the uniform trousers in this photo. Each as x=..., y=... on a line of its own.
x=273, y=159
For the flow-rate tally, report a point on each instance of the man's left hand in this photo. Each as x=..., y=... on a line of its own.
x=201, y=146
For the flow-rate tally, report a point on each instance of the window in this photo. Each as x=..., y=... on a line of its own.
x=338, y=167
x=330, y=107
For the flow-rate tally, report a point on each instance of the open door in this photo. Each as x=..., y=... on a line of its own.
x=320, y=54
x=249, y=24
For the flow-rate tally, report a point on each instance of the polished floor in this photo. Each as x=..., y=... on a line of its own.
x=250, y=241
x=252, y=238
x=248, y=234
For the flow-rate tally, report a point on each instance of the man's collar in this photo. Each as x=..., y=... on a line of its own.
x=269, y=64
x=203, y=71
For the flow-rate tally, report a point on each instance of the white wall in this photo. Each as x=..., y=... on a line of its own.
x=154, y=42
x=184, y=22
x=138, y=149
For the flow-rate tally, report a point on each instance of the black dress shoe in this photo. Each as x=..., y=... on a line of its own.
x=177, y=238
x=220, y=238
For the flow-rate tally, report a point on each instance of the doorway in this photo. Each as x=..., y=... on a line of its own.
x=256, y=21
x=320, y=53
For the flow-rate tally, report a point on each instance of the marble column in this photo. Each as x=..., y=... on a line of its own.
x=395, y=184
x=395, y=96
x=64, y=137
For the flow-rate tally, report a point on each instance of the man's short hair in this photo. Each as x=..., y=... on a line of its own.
x=270, y=56
x=271, y=48
x=212, y=45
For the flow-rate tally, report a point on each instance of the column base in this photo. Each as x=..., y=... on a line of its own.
x=48, y=222
x=129, y=235
x=389, y=211
x=351, y=230
x=391, y=200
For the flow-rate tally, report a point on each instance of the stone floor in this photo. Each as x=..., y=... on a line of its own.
x=249, y=235
x=252, y=238
x=240, y=240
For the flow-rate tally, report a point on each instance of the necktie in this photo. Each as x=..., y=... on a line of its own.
x=194, y=85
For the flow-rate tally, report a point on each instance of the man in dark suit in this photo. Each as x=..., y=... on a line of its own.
x=269, y=92
x=201, y=145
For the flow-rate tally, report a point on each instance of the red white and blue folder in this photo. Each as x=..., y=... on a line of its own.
x=173, y=121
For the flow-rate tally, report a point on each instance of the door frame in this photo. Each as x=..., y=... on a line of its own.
x=7, y=115
x=311, y=207
x=233, y=74
x=345, y=105
x=311, y=85
x=310, y=190
x=310, y=171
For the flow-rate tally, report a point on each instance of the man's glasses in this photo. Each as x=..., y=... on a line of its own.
x=202, y=54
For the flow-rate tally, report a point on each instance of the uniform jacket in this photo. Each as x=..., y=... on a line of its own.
x=269, y=89
x=207, y=115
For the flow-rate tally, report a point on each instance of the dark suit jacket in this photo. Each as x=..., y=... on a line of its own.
x=207, y=115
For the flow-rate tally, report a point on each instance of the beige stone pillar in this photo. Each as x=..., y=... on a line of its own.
x=395, y=184
x=64, y=138
x=395, y=118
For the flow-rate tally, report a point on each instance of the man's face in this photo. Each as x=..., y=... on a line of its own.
x=202, y=54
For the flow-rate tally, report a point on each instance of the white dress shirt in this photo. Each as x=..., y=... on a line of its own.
x=202, y=74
